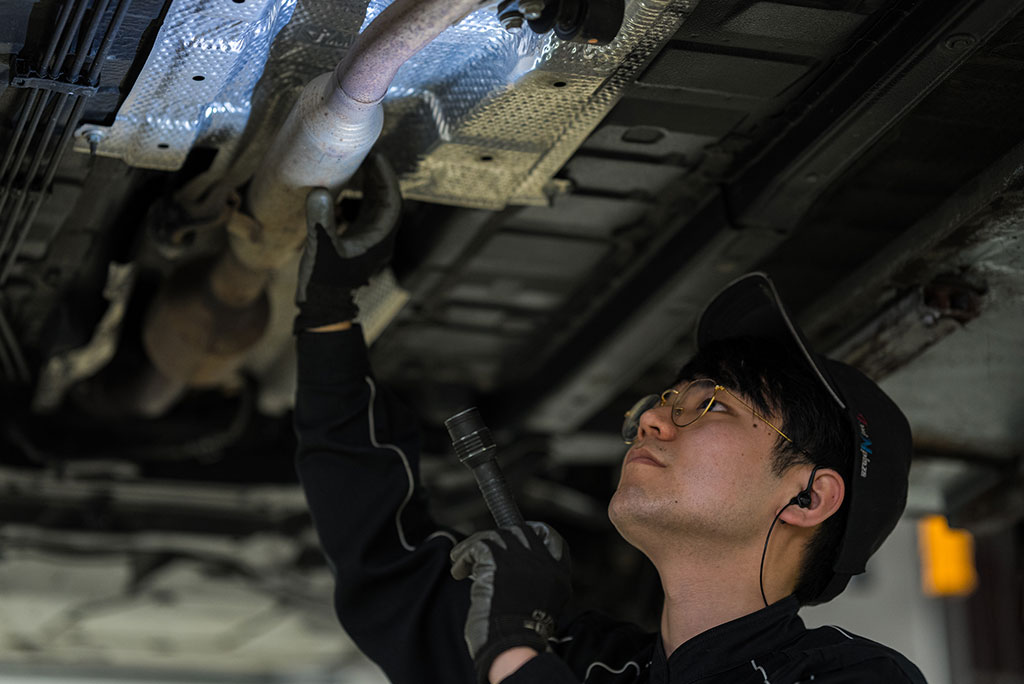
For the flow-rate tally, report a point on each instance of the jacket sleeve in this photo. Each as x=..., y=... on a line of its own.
x=545, y=668
x=358, y=461
x=620, y=651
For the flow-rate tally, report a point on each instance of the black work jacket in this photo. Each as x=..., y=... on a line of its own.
x=358, y=460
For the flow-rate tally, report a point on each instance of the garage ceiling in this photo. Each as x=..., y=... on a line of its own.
x=556, y=245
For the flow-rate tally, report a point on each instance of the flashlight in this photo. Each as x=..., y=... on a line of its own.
x=476, y=450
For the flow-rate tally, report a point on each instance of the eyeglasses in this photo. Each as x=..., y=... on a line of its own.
x=688, y=405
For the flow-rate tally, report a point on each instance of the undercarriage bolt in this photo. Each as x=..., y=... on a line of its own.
x=94, y=138
x=531, y=9
x=509, y=15
x=513, y=23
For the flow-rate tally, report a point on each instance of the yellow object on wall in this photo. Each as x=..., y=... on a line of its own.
x=947, y=558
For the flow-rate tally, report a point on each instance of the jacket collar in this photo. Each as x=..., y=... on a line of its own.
x=730, y=644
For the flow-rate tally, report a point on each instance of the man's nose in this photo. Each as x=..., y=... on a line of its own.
x=657, y=423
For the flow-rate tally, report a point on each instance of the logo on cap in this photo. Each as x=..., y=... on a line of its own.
x=865, y=445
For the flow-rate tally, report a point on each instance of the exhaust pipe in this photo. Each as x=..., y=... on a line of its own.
x=200, y=327
x=336, y=120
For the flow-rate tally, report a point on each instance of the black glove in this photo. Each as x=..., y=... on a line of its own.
x=521, y=583
x=334, y=265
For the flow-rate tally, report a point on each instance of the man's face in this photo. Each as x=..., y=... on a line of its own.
x=709, y=482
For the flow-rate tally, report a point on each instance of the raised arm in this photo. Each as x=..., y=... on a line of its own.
x=358, y=461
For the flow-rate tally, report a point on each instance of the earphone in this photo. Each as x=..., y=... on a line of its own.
x=803, y=500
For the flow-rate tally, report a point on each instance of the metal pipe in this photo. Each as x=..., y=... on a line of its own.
x=44, y=142
x=62, y=21
x=19, y=158
x=19, y=129
x=5, y=360
x=335, y=122
x=14, y=350
x=202, y=321
x=207, y=316
x=45, y=70
x=51, y=170
x=33, y=96
x=65, y=46
x=398, y=33
x=69, y=127
x=86, y=42
x=108, y=40
x=318, y=146
x=22, y=140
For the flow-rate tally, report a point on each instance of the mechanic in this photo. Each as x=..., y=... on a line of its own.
x=760, y=481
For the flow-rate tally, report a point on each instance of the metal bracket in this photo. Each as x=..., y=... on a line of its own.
x=55, y=86
x=26, y=78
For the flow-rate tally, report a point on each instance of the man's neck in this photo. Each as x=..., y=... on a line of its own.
x=702, y=595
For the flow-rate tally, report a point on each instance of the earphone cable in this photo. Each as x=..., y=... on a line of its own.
x=760, y=574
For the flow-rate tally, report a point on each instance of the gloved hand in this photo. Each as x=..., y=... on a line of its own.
x=334, y=265
x=521, y=583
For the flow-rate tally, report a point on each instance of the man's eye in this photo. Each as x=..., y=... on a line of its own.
x=714, y=405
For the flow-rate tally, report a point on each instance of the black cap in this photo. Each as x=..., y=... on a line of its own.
x=876, y=487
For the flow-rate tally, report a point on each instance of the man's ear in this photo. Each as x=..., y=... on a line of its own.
x=827, y=492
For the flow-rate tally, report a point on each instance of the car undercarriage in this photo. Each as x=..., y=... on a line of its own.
x=570, y=201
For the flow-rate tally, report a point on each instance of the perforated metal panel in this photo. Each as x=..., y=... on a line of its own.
x=479, y=118
x=197, y=83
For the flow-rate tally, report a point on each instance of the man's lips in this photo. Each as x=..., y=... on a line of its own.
x=642, y=455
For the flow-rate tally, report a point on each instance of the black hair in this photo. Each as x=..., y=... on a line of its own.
x=779, y=382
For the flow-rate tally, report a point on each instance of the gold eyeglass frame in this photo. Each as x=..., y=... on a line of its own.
x=663, y=401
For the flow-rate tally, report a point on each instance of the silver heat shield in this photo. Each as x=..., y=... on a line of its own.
x=197, y=85
x=479, y=118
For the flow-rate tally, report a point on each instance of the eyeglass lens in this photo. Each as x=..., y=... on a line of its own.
x=692, y=402
x=688, y=405
x=631, y=421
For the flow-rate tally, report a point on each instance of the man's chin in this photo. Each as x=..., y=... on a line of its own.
x=644, y=517
x=614, y=514
x=629, y=514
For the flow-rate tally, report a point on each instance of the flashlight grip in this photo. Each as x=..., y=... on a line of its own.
x=476, y=449
x=497, y=495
